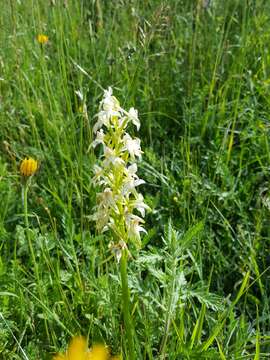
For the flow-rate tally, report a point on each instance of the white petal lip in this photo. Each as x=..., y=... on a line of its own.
x=139, y=182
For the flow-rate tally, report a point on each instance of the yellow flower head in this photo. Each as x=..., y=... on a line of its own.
x=42, y=39
x=28, y=167
x=77, y=350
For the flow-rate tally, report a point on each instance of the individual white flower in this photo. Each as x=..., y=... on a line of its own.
x=98, y=171
x=129, y=186
x=110, y=109
x=133, y=116
x=106, y=198
x=134, y=228
x=109, y=102
x=131, y=181
x=132, y=176
x=112, y=158
x=139, y=205
x=99, y=138
x=131, y=170
x=101, y=217
x=117, y=249
x=104, y=118
x=133, y=146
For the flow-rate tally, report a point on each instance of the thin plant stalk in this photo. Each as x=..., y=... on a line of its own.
x=26, y=223
x=126, y=304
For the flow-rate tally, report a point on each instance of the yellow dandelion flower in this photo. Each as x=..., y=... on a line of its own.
x=28, y=167
x=42, y=39
x=77, y=350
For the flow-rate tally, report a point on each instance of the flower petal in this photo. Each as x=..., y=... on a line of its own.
x=77, y=349
x=98, y=352
x=133, y=115
x=59, y=357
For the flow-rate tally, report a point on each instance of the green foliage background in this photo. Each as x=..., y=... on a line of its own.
x=199, y=76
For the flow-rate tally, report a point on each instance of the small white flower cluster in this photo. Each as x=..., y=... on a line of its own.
x=117, y=172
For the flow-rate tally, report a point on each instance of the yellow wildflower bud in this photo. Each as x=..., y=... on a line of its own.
x=28, y=167
x=42, y=39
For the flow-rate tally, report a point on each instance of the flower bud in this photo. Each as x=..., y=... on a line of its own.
x=28, y=167
x=42, y=39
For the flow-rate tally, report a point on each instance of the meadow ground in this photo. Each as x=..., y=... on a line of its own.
x=198, y=74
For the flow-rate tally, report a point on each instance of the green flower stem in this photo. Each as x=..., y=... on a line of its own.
x=25, y=207
x=126, y=304
x=26, y=223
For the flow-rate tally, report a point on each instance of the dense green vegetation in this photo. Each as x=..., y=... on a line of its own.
x=199, y=77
